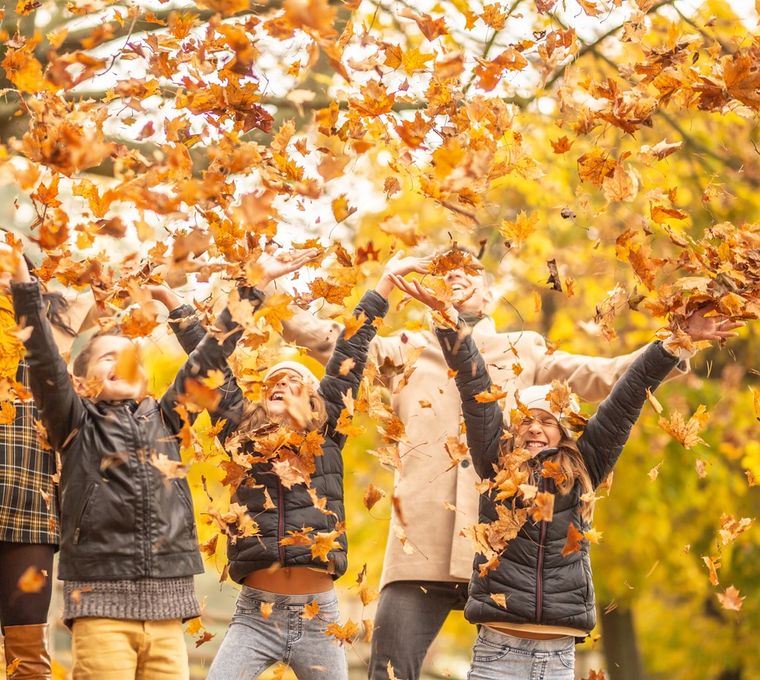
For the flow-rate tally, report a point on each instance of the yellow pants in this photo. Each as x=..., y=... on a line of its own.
x=112, y=649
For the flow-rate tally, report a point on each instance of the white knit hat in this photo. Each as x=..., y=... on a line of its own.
x=293, y=366
x=535, y=396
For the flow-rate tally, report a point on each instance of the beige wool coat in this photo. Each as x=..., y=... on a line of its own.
x=437, y=500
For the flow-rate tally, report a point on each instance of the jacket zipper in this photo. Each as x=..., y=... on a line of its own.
x=280, y=522
x=87, y=498
x=144, y=537
x=540, y=565
x=539, y=572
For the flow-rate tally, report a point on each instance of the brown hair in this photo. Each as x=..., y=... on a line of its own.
x=255, y=416
x=570, y=461
x=82, y=359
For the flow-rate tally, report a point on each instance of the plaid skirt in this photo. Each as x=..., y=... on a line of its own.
x=28, y=493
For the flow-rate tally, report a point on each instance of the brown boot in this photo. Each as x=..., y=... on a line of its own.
x=26, y=652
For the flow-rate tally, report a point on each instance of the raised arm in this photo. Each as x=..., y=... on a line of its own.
x=212, y=350
x=319, y=336
x=354, y=349
x=484, y=420
x=183, y=320
x=60, y=408
x=608, y=430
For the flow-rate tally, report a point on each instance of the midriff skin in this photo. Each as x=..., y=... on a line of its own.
x=535, y=632
x=290, y=580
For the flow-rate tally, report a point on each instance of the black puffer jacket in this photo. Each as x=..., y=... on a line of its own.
x=542, y=586
x=294, y=508
x=120, y=518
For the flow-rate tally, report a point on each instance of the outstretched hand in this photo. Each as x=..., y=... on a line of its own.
x=419, y=292
x=705, y=324
x=274, y=264
x=401, y=264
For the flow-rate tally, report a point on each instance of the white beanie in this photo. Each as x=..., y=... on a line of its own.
x=535, y=396
x=307, y=376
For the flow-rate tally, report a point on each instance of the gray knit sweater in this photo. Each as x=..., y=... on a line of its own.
x=151, y=599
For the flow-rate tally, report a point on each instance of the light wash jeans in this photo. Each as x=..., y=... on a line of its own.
x=254, y=643
x=498, y=656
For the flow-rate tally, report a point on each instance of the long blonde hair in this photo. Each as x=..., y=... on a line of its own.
x=573, y=468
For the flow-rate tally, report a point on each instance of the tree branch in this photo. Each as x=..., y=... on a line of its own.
x=591, y=47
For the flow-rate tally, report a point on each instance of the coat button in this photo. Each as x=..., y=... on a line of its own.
x=465, y=463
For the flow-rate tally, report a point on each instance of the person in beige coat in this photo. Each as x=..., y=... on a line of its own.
x=426, y=577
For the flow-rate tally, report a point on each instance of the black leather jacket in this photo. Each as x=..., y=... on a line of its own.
x=120, y=517
x=540, y=584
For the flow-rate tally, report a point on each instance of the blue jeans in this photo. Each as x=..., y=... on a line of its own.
x=255, y=642
x=498, y=656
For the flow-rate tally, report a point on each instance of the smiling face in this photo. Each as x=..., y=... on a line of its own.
x=540, y=431
x=104, y=354
x=285, y=394
x=471, y=291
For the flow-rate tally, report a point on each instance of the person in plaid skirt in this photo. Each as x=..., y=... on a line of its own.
x=29, y=532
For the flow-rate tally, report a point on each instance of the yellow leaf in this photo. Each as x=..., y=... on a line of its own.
x=310, y=610
x=656, y=405
x=194, y=626
x=413, y=60
x=730, y=599
x=500, y=599
x=32, y=580
x=492, y=394
x=341, y=209
x=7, y=413
x=520, y=229
x=323, y=544
x=345, y=633
x=686, y=433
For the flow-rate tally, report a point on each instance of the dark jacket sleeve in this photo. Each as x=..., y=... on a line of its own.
x=608, y=430
x=186, y=327
x=60, y=408
x=209, y=355
x=334, y=385
x=484, y=421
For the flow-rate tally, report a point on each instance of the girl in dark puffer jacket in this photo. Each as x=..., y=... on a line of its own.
x=531, y=591
x=291, y=546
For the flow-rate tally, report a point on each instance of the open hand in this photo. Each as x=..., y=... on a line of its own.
x=272, y=265
x=165, y=296
x=699, y=326
x=419, y=292
x=400, y=265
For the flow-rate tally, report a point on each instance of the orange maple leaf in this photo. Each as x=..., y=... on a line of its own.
x=573, y=542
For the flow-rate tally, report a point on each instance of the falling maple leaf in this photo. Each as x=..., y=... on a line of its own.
x=500, y=599
x=543, y=507
x=493, y=393
x=310, y=610
x=33, y=580
x=730, y=599
x=686, y=432
x=345, y=634
x=372, y=495
x=323, y=543
x=573, y=541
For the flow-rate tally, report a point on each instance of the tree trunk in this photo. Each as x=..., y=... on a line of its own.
x=621, y=651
